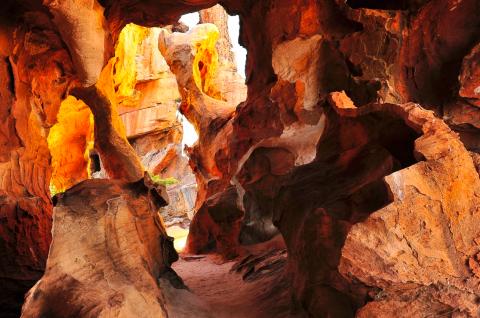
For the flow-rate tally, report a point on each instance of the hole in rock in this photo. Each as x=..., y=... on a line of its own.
x=147, y=113
x=269, y=238
x=95, y=165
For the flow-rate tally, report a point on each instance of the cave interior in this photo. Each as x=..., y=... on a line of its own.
x=240, y=159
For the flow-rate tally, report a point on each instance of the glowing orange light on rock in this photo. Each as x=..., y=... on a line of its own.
x=125, y=69
x=105, y=84
x=70, y=141
x=205, y=63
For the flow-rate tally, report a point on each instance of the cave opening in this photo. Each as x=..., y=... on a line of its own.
x=150, y=113
x=146, y=175
x=235, y=268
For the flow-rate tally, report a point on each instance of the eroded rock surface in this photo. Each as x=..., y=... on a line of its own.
x=107, y=256
x=376, y=198
x=315, y=191
x=421, y=249
x=84, y=30
x=35, y=73
x=227, y=79
x=154, y=128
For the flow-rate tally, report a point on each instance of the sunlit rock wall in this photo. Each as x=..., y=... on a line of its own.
x=36, y=71
x=154, y=128
x=291, y=158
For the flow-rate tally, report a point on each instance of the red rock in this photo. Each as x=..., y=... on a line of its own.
x=375, y=197
x=469, y=76
x=406, y=243
x=84, y=30
x=36, y=71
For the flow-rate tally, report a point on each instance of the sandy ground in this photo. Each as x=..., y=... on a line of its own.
x=224, y=293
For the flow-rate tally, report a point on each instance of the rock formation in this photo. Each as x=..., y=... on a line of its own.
x=263, y=154
x=226, y=79
x=154, y=128
x=356, y=138
x=114, y=266
x=82, y=26
x=36, y=71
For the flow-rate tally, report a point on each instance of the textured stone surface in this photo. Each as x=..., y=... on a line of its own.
x=469, y=76
x=70, y=141
x=118, y=157
x=227, y=80
x=107, y=256
x=36, y=72
x=218, y=16
x=356, y=50
x=156, y=108
x=331, y=179
x=84, y=30
x=428, y=231
x=154, y=128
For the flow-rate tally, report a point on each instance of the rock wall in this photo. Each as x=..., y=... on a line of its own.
x=108, y=252
x=376, y=197
x=155, y=129
x=285, y=160
x=226, y=80
x=420, y=250
x=36, y=71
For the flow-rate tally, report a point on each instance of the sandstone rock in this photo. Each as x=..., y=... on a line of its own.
x=153, y=119
x=150, y=64
x=302, y=66
x=217, y=223
x=156, y=108
x=36, y=71
x=340, y=100
x=476, y=160
x=83, y=28
x=377, y=203
x=118, y=157
x=161, y=154
x=204, y=112
x=74, y=130
x=360, y=49
x=154, y=129
x=469, y=76
x=432, y=52
x=100, y=271
x=218, y=16
x=227, y=80
x=464, y=118
x=406, y=242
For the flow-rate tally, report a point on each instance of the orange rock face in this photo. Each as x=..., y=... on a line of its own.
x=227, y=81
x=95, y=270
x=312, y=172
x=358, y=142
x=469, y=76
x=36, y=71
x=70, y=141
